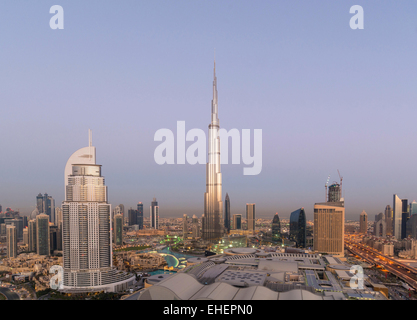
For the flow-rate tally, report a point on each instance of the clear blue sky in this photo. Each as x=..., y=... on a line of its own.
x=326, y=97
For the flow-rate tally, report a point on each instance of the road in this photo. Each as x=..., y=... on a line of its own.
x=398, y=269
x=10, y=295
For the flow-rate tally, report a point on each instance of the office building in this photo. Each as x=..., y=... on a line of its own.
x=195, y=227
x=154, y=218
x=139, y=217
x=404, y=218
x=380, y=225
x=118, y=230
x=276, y=229
x=184, y=226
x=227, y=213
x=87, y=236
x=363, y=222
x=43, y=235
x=389, y=220
x=335, y=193
x=26, y=236
x=132, y=214
x=40, y=203
x=250, y=217
x=237, y=222
x=212, y=219
x=18, y=223
x=397, y=217
x=11, y=241
x=32, y=235
x=329, y=228
x=298, y=228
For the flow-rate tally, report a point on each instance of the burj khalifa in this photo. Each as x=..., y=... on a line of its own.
x=212, y=228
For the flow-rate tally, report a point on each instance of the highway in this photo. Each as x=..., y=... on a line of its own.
x=10, y=295
x=402, y=271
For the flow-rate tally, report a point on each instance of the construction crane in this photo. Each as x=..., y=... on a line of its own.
x=325, y=190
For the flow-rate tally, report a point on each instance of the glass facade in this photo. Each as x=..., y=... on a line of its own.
x=298, y=226
x=276, y=229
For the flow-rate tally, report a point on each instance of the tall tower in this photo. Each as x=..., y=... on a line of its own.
x=227, y=213
x=139, y=218
x=11, y=241
x=250, y=216
x=212, y=228
x=363, y=222
x=87, y=236
x=42, y=235
x=298, y=227
x=397, y=217
x=276, y=228
x=154, y=214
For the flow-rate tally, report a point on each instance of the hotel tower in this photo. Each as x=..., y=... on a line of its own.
x=212, y=220
x=87, y=236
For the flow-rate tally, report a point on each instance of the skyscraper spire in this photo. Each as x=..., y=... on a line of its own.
x=213, y=204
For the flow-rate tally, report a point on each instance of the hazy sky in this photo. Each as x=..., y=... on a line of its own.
x=325, y=96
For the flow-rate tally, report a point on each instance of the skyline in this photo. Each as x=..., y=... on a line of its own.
x=327, y=98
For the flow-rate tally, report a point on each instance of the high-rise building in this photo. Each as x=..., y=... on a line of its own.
x=43, y=235
x=118, y=229
x=250, y=217
x=329, y=227
x=39, y=203
x=404, y=218
x=58, y=216
x=139, y=218
x=212, y=220
x=184, y=227
x=389, y=220
x=195, y=227
x=26, y=236
x=132, y=214
x=154, y=214
x=380, y=225
x=413, y=208
x=397, y=216
x=276, y=228
x=11, y=241
x=46, y=204
x=53, y=236
x=32, y=235
x=363, y=222
x=335, y=192
x=18, y=223
x=87, y=236
x=227, y=213
x=298, y=227
x=237, y=222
